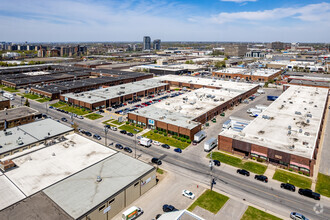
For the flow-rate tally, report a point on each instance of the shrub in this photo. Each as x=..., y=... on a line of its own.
x=155, y=131
x=174, y=136
x=127, y=122
x=189, y=141
x=183, y=139
x=290, y=169
x=253, y=158
x=160, y=132
x=165, y=135
x=300, y=172
x=260, y=160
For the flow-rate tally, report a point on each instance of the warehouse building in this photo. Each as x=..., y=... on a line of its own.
x=106, y=97
x=105, y=78
x=184, y=115
x=307, y=80
x=287, y=133
x=76, y=178
x=262, y=75
x=17, y=116
x=29, y=136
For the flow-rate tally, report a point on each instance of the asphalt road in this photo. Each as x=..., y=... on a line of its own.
x=271, y=199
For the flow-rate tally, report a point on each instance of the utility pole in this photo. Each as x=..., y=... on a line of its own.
x=135, y=146
x=212, y=181
x=105, y=132
x=46, y=108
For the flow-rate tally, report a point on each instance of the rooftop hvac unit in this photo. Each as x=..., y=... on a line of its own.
x=289, y=127
x=300, y=130
x=297, y=113
x=309, y=115
x=167, y=103
x=289, y=132
x=307, y=121
x=89, y=96
x=291, y=147
x=306, y=133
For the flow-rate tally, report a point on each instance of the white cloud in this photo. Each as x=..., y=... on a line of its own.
x=312, y=12
x=238, y=1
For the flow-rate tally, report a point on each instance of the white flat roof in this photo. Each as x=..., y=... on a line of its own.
x=232, y=86
x=103, y=94
x=253, y=72
x=40, y=169
x=293, y=108
x=9, y=193
x=81, y=192
x=311, y=78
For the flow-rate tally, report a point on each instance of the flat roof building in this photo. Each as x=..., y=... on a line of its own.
x=12, y=117
x=287, y=133
x=106, y=97
x=248, y=74
x=4, y=103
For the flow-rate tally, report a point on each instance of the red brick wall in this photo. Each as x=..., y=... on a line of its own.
x=225, y=143
x=4, y=104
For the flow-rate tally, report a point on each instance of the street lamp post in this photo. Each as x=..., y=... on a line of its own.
x=105, y=132
x=22, y=97
x=212, y=182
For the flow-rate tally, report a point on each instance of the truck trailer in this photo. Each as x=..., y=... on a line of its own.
x=199, y=136
x=210, y=144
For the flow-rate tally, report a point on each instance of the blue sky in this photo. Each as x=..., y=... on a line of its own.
x=176, y=20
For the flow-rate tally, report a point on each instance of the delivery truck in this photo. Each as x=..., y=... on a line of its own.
x=261, y=107
x=199, y=136
x=8, y=95
x=210, y=144
x=132, y=213
x=145, y=142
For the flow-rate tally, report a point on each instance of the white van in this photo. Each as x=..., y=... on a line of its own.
x=145, y=142
x=132, y=213
x=210, y=144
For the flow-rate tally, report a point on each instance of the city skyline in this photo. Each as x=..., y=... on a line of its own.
x=181, y=20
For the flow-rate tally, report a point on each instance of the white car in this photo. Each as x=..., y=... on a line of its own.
x=297, y=216
x=188, y=194
x=156, y=143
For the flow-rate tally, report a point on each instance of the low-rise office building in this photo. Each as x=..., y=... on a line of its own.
x=287, y=133
x=17, y=116
x=262, y=75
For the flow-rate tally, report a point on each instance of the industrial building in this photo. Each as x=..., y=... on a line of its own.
x=262, y=75
x=103, y=78
x=13, y=117
x=306, y=80
x=184, y=115
x=4, y=103
x=106, y=97
x=28, y=136
x=72, y=176
x=235, y=50
x=287, y=133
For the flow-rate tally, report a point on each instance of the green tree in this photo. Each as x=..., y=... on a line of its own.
x=27, y=103
x=220, y=64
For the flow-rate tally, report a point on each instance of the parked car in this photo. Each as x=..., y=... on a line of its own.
x=194, y=143
x=288, y=186
x=168, y=208
x=156, y=161
x=107, y=126
x=119, y=146
x=64, y=119
x=188, y=194
x=309, y=193
x=296, y=216
x=156, y=143
x=261, y=178
x=80, y=117
x=243, y=172
x=123, y=132
x=166, y=146
x=128, y=150
x=130, y=134
x=216, y=163
x=87, y=133
x=178, y=150
x=97, y=137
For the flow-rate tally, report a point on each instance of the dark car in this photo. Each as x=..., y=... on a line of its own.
x=216, y=163
x=102, y=111
x=158, y=216
x=166, y=146
x=119, y=146
x=64, y=119
x=194, y=142
x=168, y=208
x=88, y=133
x=261, y=178
x=130, y=134
x=288, y=186
x=123, y=132
x=97, y=137
x=107, y=126
x=309, y=193
x=156, y=161
x=128, y=150
x=243, y=172
x=178, y=150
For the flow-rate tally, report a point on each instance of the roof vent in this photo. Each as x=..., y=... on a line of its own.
x=289, y=132
x=300, y=130
x=297, y=113
x=291, y=147
x=309, y=115
x=306, y=133
x=98, y=179
x=289, y=127
x=307, y=121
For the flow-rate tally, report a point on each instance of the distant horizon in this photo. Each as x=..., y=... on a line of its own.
x=172, y=20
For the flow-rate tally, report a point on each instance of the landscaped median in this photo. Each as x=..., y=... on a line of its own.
x=69, y=108
x=35, y=97
x=166, y=140
x=8, y=89
x=210, y=200
x=93, y=116
x=323, y=185
x=131, y=128
x=297, y=180
x=237, y=162
x=252, y=214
